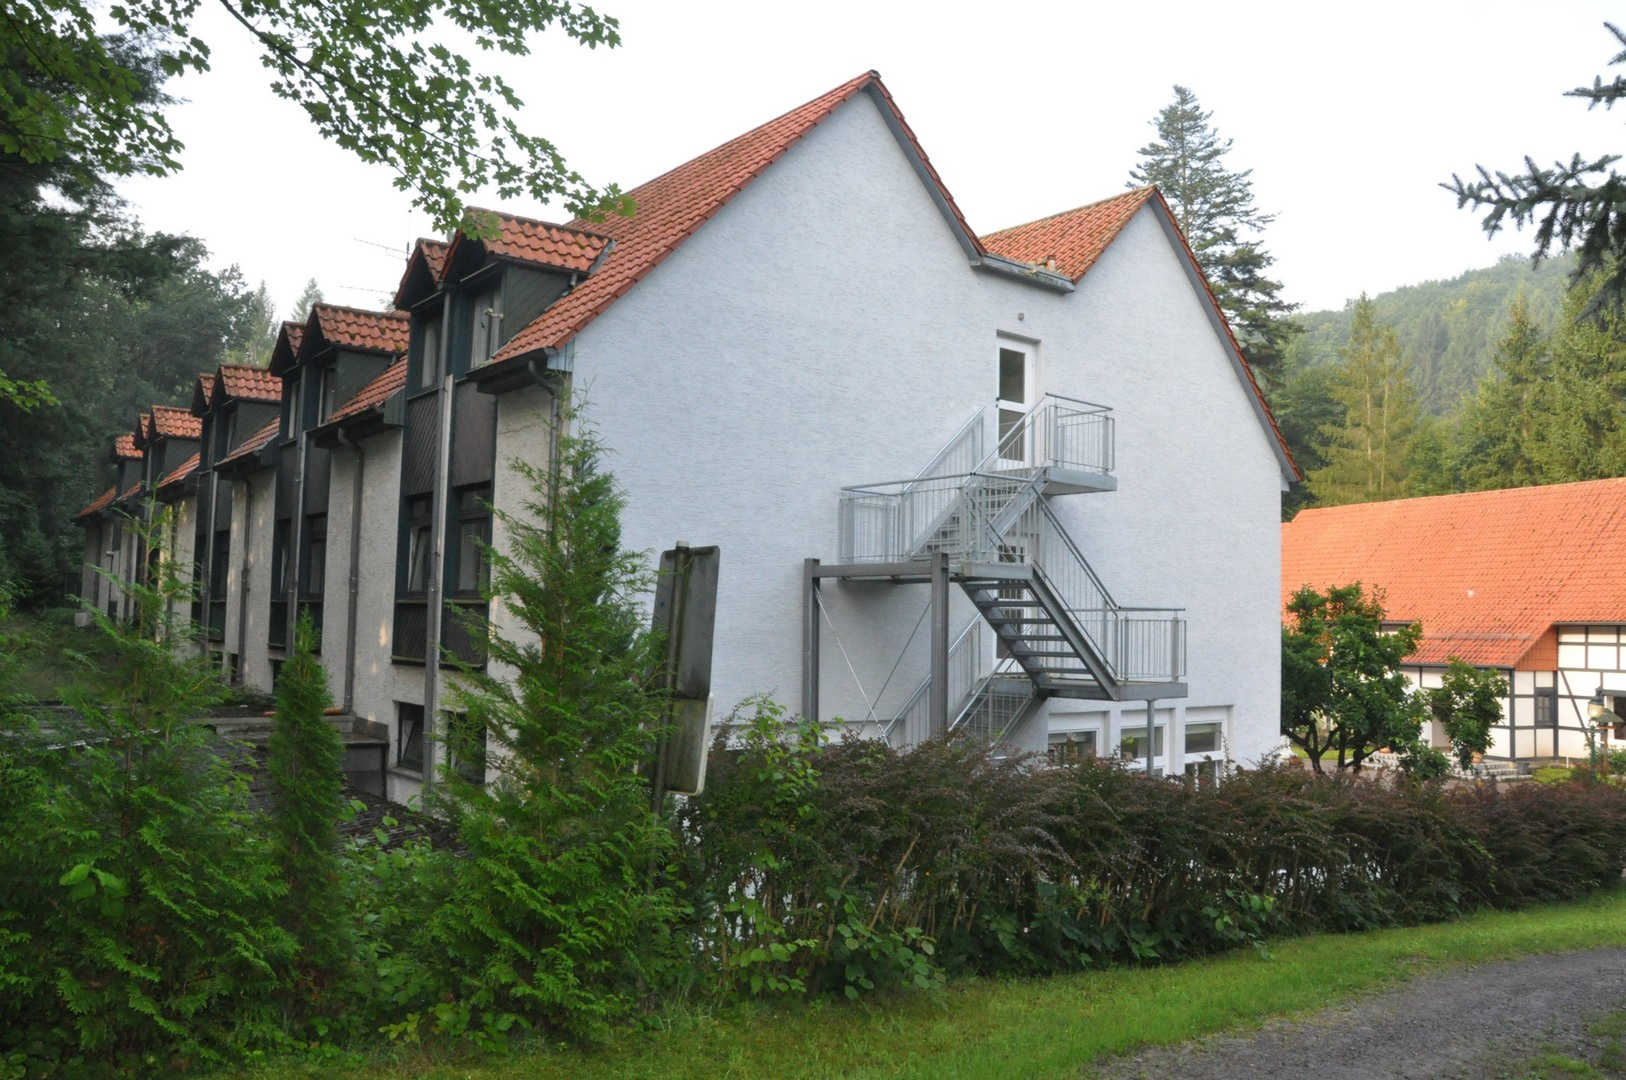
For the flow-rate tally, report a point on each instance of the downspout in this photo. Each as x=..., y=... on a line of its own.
x=294, y=555
x=437, y=550
x=242, y=600
x=354, y=584
x=208, y=564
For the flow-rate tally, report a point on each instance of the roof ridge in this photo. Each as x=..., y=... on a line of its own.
x=393, y=313
x=1456, y=495
x=563, y=227
x=843, y=91
x=1143, y=192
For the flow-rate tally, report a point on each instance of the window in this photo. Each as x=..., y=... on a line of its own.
x=1547, y=708
x=279, y=558
x=473, y=532
x=315, y=554
x=330, y=383
x=466, y=745
x=1072, y=747
x=290, y=409
x=429, y=355
x=1133, y=743
x=228, y=433
x=1205, y=772
x=1203, y=739
x=276, y=674
x=485, y=327
x=234, y=668
x=1014, y=397
x=222, y=557
x=417, y=565
x=409, y=736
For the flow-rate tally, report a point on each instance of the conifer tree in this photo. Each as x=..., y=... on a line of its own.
x=1497, y=432
x=1214, y=208
x=554, y=918
x=306, y=768
x=1367, y=453
x=1578, y=432
x=1579, y=204
x=309, y=296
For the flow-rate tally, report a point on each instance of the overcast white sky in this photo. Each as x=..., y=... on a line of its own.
x=1349, y=117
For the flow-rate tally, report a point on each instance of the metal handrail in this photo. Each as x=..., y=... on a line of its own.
x=912, y=714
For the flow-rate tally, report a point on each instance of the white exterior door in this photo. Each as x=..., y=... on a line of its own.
x=1015, y=397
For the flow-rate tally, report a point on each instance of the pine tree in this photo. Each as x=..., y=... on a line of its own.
x=1497, y=431
x=306, y=769
x=1367, y=454
x=1579, y=205
x=310, y=295
x=554, y=917
x=1578, y=432
x=1214, y=208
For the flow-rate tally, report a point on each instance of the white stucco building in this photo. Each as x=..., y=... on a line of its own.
x=1032, y=462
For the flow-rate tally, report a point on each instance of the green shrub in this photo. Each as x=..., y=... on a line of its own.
x=146, y=887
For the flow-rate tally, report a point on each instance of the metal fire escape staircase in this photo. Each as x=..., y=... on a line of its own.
x=1046, y=626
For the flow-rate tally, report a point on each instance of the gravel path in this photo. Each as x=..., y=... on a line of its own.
x=1470, y=1022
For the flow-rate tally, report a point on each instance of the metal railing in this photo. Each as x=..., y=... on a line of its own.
x=913, y=723
x=1060, y=431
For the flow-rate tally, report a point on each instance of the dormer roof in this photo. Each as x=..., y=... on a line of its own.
x=124, y=448
x=251, y=446
x=424, y=266
x=525, y=240
x=100, y=503
x=240, y=383
x=203, y=389
x=348, y=328
x=171, y=422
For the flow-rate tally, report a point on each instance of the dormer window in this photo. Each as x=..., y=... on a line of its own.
x=328, y=399
x=485, y=327
x=429, y=355
x=290, y=409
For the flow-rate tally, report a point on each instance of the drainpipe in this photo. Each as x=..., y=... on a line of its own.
x=437, y=548
x=205, y=583
x=242, y=600
x=354, y=583
x=293, y=556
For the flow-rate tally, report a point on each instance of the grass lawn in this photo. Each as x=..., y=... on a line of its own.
x=1023, y=1027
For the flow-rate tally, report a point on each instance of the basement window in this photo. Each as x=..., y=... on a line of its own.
x=1071, y=747
x=409, y=736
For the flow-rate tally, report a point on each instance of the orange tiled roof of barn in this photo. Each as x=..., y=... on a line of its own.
x=369, y=331
x=101, y=502
x=175, y=423
x=1488, y=573
x=672, y=206
x=564, y=247
x=124, y=447
x=384, y=386
x=254, y=443
x=250, y=383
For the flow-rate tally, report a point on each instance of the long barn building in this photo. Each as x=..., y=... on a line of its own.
x=1020, y=483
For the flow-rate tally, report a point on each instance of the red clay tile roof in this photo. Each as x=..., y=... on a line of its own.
x=254, y=443
x=432, y=254
x=1072, y=239
x=1487, y=573
x=250, y=383
x=99, y=503
x=180, y=472
x=133, y=489
x=560, y=247
x=143, y=425
x=295, y=332
x=203, y=390
x=366, y=331
x=175, y=423
x=1075, y=239
x=124, y=447
x=381, y=389
x=673, y=205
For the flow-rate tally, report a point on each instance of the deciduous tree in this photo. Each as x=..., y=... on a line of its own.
x=1467, y=704
x=377, y=78
x=1342, y=690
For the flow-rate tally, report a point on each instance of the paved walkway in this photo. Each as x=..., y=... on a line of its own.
x=1468, y=1022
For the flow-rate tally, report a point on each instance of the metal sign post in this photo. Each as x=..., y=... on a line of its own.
x=686, y=613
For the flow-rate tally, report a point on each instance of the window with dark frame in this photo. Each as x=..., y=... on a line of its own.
x=409, y=736
x=1071, y=748
x=329, y=390
x=1547, y=708
x=418, y=544
x=279, y=559
x=315, y=554
x=429, y=355
x=473, y=534
x=290, y=413
x=485, y=327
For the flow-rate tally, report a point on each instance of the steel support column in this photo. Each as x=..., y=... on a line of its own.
x=938, y=702
x=810, y=639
